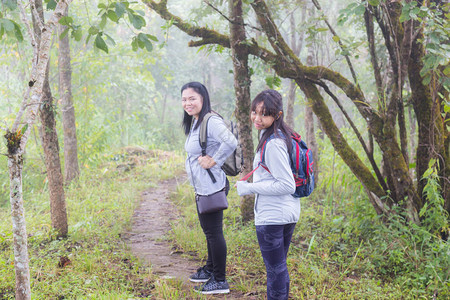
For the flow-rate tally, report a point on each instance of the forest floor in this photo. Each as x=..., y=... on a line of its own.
x=148, y=238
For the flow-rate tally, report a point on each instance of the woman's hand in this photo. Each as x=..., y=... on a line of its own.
x=206, y=162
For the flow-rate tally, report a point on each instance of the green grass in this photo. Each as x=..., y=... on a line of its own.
x=338, y=252
x=340, y=249
x=100, y=205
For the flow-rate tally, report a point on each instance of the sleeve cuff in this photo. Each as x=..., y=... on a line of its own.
x=243, y=188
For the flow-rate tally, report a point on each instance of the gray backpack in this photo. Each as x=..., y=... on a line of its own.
x=233, y=164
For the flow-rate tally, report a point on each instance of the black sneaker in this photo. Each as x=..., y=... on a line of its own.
x=202, y=275
x=212, y=286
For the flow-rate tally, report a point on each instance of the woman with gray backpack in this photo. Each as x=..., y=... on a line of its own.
x=203, y=166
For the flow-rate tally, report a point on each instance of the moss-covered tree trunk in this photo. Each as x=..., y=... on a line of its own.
x=399, y=187
x=239, y=55
x=433, y=137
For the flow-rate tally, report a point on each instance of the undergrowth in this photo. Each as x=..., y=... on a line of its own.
x=94, y=262
x=340, y=250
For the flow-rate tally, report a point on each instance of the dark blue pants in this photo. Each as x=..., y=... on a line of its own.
x=217, y=247
x=274, y=241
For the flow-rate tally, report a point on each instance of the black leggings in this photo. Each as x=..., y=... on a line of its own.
x=217, y=247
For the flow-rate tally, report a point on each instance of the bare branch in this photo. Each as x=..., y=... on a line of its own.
x=30, y=31
x=368, y=18
x=228, y=19
x=347, y=58
x=36, y=15
x=38, y=71
x=358, y=134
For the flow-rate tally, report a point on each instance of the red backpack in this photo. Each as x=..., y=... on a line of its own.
x=301, y=161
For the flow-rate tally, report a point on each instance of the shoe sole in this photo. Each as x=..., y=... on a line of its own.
x=227, y=291
x=198, y=280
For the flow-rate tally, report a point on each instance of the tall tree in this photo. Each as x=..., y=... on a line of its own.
x=399, y=188
x=50, y=143
x=16, y=139
x=296, y=43
x=239, y=55
x=309, y=127
x=71, y=166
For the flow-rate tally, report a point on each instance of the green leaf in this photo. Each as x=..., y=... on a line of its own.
x=141, y=12
x=145, y=42
x=7, y=24
x=109, y=39
x=51, y=5
x=24, y=128
x=64, y=33
x=273, y=81
x=18, y=32
x=336, y=38
x=65, y=20
x=374, y=2
x=93, y=30
x=103, y=21
x=426, y=80
x=120, y=9
x=100, y=43
x=322, y=29
x=11, y=4
x=310, y=246
x=137, y=21
x=113, y=16
x=152, y=37
x=77, y=34
x=148, y=46
x=447, y=70
x=134, y=44
x=360, y=9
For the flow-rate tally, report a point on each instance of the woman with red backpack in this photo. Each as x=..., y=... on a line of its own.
x=276, y=210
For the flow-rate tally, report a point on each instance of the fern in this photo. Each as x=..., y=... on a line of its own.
x=434, y=216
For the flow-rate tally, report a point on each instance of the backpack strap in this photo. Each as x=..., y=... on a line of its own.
x=203, y=142
x=260, y=164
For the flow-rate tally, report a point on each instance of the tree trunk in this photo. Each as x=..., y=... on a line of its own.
x=290, y=104
x=50, y=144
x=71, y=167
x=23, y=290
x=16, y=143
x=242, y=90
x=49, y=139
x=433, y=137
x=309, y=126
x=382, y=122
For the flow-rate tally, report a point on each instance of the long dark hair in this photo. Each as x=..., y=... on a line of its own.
x=206, y=106
x=272, y=106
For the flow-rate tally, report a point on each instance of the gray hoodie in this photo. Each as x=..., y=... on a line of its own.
x=220, y=144
x=274, y=204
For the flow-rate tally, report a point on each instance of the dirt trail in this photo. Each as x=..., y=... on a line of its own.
x=151, y=223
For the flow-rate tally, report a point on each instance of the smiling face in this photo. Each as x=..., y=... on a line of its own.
x=259, y=119
x=192, y=102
